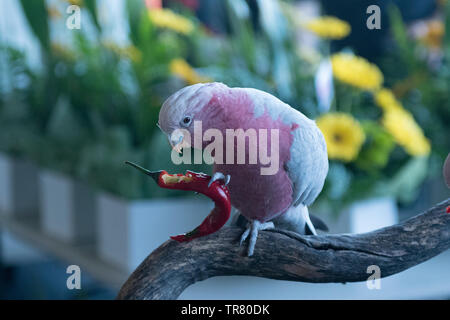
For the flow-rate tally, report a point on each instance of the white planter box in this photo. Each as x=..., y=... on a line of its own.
x=67, y=208
x=130, y=230
x=363, y=216
x=372, y=214
x=17, y=251
x=18, y=187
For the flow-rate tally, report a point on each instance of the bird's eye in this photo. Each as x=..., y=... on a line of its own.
x=186, y=120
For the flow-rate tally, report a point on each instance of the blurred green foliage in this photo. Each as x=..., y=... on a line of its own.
x=421, y=78
x=94, y=104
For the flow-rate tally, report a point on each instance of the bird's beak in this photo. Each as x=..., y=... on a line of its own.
x=177, y=141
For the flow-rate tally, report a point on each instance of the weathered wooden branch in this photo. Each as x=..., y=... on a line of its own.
x=284, y=255
x=446, y=170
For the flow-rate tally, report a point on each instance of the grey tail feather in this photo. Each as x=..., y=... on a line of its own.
x=241, y=221
x=308, y=230
x=318, y=223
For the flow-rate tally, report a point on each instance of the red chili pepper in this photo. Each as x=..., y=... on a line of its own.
x=198, y=182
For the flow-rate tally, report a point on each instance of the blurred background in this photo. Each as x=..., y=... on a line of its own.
x=81, y=85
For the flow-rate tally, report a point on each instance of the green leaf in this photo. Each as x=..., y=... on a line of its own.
x=244, y=39
x=446, y=40
x=36, y=13
x=377, y=148
x=102, y=163
x=63, y=124
x=400, y=34
x=338, y=180
x=272, y=20
x=135, y=10
x=404, y=185
x=91, y=6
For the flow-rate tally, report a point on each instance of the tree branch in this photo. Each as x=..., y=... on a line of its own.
x=285, y=255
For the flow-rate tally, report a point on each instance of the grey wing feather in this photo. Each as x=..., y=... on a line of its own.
x=308, y=165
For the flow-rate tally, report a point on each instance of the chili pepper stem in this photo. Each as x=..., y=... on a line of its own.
x=153, y=174
x=198, y=182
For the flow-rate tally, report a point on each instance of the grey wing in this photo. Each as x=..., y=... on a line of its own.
x=308, y=165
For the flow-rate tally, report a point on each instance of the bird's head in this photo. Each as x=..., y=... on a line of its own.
x=182, y=108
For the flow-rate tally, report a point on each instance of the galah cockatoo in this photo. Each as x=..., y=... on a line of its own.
x=265, y=200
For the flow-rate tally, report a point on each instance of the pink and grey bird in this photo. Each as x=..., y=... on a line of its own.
x=279, y=200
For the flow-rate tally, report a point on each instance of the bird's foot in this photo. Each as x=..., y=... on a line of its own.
x=252, y=230
x=219, y=176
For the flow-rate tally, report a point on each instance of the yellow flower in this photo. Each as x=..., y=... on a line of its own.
x=128, y=52
x=329, y=27
x=166, y=18
x=183, y=70
x=343, y=135
x=434, y=34
x=63, y=51
x=54, y=13
x=386, y=100
x=133, y=53
x=356, y=71
x=401, y=124
x=75, y=2
x=407, y=133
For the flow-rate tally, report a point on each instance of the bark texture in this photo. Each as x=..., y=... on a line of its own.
x=285, y=255
x=446, y=170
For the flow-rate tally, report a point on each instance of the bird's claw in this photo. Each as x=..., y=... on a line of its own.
x=244, y=235
x=252, y=230
x=219, y=176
